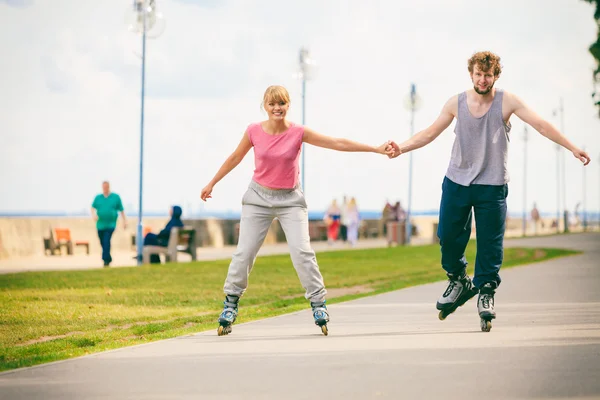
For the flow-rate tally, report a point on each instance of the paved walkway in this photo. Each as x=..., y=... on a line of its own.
x=545, y=344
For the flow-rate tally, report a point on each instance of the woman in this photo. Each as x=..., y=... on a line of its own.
x=353, y=221
x=274, y=192
x=162, y=239
x=332, y=219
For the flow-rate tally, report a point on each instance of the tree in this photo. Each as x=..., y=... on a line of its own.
x=595, y=51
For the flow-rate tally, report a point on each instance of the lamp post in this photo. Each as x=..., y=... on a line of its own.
x=555, y=112
x=525, y=181
x=145, y=20
x=584, y=210
x=412, y=103
x=306, y=67
x=557, y=188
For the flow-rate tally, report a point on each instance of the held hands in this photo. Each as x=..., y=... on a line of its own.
x=206, y=192
x=392, y=149
x=388, y=149
x=582, y=156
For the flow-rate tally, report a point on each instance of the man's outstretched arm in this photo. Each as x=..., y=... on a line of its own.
x=429, y=134
x=545, y=128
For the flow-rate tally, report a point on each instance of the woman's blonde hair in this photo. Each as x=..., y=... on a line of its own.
x=276, y=94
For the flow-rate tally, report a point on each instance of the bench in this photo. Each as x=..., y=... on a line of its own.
x=317, y=230
x=181, y=240
x=50, y=245
x=63, y=239
x=147, y=230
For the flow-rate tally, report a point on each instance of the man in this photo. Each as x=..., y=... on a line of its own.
x=105, y=211
x=535, y=217
x=477, y=179
x=400, y=213
x=344, y=219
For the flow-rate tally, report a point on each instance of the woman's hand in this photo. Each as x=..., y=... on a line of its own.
x=206, y=192
x=389, y=149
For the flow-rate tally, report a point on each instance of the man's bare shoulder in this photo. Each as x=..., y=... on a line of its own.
x=510, y=101
x=508, y=95
x=451, y=105
x=454, y=99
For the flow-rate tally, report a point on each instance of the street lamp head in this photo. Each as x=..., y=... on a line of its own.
x=308, y=65
x=144, y=12
x=412, y=102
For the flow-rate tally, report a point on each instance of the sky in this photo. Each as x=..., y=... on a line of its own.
x=71, y=80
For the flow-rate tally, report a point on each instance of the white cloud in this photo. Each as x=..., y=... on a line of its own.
x=18, y=3
x=70, y=104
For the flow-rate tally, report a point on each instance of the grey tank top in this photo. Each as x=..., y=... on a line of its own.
x=480, y=151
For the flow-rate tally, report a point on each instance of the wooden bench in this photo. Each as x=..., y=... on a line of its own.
x=63, y=239
x=147, y=230
x=317, y=230
x=181, y=240
x=50, y=245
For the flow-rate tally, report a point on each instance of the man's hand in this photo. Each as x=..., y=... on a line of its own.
x=392, y=149
x=386, y=149
x=582, y=156
x=124, y=224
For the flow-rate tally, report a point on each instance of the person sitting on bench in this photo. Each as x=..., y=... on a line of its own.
x=162, y=239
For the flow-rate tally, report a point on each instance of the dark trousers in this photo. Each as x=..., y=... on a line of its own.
x=344, y=232
x=454, y=229
x=152, y=239
x=105, y=235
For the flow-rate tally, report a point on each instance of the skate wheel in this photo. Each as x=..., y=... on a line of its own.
x=442, y=316
x=324, y=330
x=486, y=325
x=223, y=330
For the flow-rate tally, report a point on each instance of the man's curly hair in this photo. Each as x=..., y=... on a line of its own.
x=487, y=61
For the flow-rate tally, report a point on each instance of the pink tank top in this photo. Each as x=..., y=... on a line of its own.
x=276, y=156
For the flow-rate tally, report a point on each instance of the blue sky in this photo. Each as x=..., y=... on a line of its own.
x=71, y=79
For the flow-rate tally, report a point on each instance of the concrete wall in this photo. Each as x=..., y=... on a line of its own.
x=20, y=237
x=23, y=237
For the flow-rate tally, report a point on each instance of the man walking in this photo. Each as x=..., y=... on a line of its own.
x=105, y=211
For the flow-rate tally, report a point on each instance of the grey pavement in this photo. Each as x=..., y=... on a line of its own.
x=545, y=344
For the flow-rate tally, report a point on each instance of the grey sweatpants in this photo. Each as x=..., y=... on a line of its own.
x=259, y=207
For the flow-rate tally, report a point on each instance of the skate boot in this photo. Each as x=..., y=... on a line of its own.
x=485, y=306
x=229, y=314
x=460, y=289
x=320, y=315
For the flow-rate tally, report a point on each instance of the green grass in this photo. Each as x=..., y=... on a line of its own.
x=49, y=316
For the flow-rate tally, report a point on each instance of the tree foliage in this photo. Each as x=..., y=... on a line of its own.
x=595, y=51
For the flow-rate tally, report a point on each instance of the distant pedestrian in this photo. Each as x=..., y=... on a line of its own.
x=105, y=211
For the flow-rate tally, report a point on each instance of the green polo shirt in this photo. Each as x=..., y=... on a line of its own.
x=107, y=209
